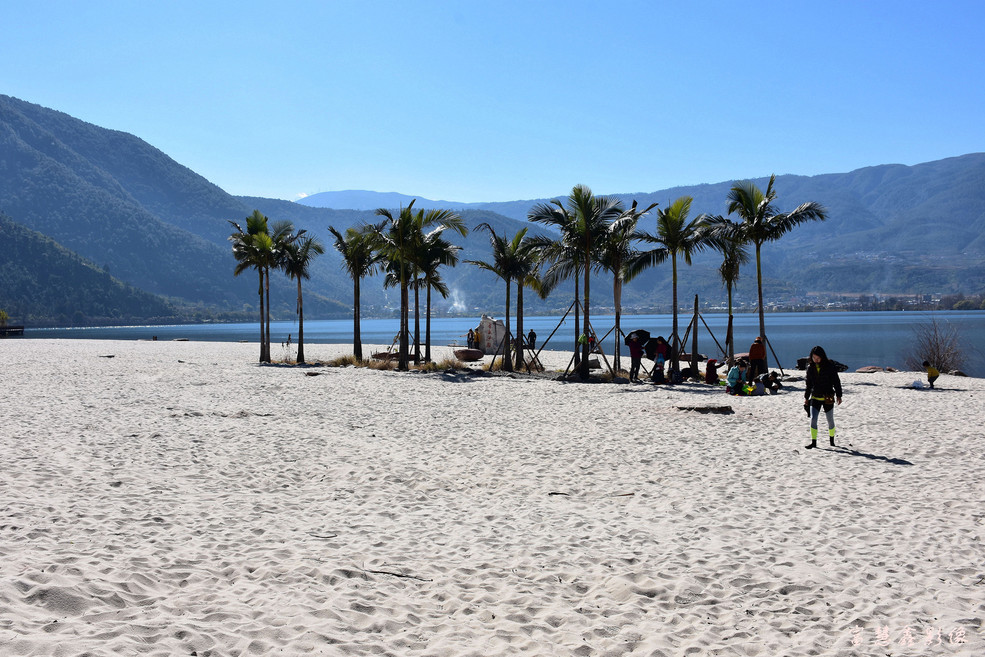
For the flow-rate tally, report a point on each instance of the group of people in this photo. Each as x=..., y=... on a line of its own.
x=661, y=356
x=752, y=377
x=742, y=380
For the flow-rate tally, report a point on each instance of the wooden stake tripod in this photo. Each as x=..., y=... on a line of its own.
x=597, y=348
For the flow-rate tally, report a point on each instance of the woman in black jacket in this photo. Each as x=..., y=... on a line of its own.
x=823, y=391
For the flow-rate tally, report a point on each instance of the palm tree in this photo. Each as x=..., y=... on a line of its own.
x=527, y=269
x=394, y=239
x=298, y=254
x=251, y=249
x=617, y=251
x=762, y=222
x=434, y=253
x=727, y=240
x=397, y=239
x=584, y=223
x=676, y=236
x=281, y=237
x=360, y=259
x=442, y=220
x=509, y=256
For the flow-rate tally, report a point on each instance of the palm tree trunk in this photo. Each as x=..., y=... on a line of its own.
x=729, y=340
x=357, y=340
x=762, y=315
x=300, y=359
x=263, y=328
x=617, y=300
x=403, y=364
x=577, y=319
x=676, y=342
x=507, y=356
x=519, y=325
x=585, y=347
x=266, y=286
x=427, y=329
x=417, y=324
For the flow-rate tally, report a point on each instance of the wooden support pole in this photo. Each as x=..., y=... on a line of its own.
x=694, y=339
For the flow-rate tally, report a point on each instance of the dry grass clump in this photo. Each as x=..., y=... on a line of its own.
x=495, y=365
x=443, y=365
x=346, y=360
x=385, y=365
x=608, y=377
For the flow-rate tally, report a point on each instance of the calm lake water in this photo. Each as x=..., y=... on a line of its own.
x=854, y=338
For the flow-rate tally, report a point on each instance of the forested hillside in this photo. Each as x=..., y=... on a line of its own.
x=43, y=282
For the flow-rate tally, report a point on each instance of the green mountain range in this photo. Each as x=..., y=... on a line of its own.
x=128, y=234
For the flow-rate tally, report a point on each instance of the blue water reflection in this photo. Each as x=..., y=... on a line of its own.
x=854, y=338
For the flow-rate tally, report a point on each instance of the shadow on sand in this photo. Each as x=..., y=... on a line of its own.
x=702, y=389
x=848, y=451
x=936, y=389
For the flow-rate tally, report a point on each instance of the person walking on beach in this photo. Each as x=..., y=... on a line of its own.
x=757, y=359
x=823, y=391
x=635, y=356
x=471, y=339
x=932, y=373
x=531, y=340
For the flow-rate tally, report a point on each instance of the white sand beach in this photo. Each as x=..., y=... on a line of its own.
x=177, y=498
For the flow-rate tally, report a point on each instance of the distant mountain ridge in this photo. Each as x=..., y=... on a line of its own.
x=871, y=196
x=139, y=218
x=891, y=229
x=368, y=200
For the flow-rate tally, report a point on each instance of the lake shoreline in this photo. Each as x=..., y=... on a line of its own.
x=858, y=339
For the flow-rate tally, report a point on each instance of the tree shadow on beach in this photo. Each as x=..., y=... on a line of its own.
x=702, y=389
x=462, y=376
x=851, y=451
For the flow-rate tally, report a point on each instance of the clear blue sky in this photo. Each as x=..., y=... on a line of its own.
x=506, y=100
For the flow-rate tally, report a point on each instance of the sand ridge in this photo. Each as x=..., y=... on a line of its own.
x=179, y=498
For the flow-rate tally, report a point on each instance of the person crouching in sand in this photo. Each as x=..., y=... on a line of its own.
x=823, y=391
x=736, y=379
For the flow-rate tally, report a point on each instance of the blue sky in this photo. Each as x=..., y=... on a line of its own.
x=495, y=101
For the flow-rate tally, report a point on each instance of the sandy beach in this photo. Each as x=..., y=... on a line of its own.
x=177, y=498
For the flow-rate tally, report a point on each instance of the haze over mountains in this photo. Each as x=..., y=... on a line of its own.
x=151, y=235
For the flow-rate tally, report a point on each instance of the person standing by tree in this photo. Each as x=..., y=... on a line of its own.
x=823, y=391
x=757, y=359
x=635, y=357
